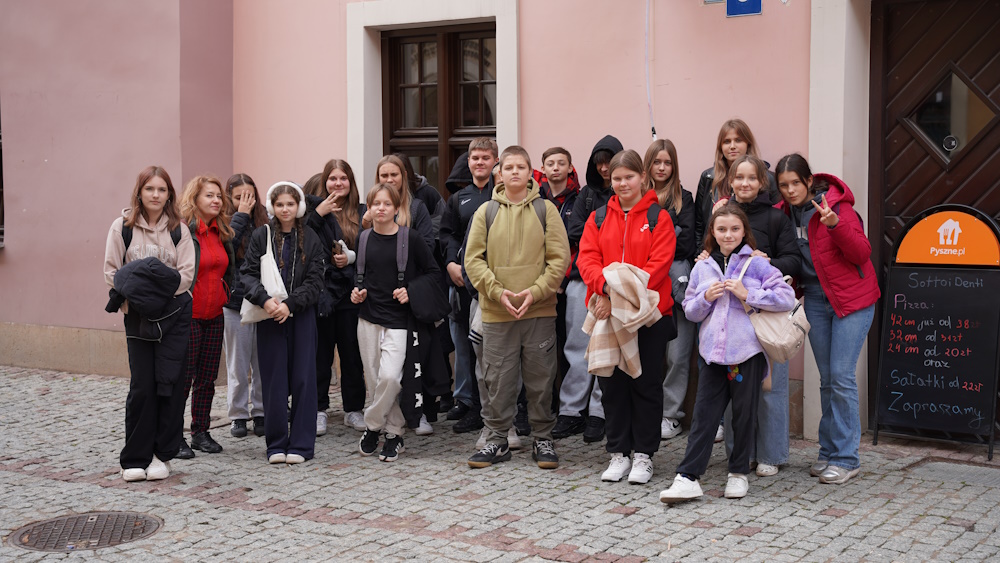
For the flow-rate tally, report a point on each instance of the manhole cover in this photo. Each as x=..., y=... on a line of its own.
x=958, y=472
x=92, y=530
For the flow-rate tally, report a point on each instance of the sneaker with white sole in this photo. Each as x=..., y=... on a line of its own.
x=737, y=486
x=513, y=440
x=766, y=470
x=392, y=448
x=669, y=428
x=157, y=470
x=355, y=419
x=320, y=423
x=134, y=474
x=424, y=428
x=681, y=490
x=720, y=434
x=642, y=469
x=483, y=435
x=292, y=459
x=276, y=458
x=834, y=475
x=369, y=442
x=617, y=469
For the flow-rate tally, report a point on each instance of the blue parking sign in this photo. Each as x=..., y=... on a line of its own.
x=743, y=8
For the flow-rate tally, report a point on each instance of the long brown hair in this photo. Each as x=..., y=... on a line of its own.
x=403, y=213
x=189, y=206
x=347, y=217
x=169, y=208
x=279, y=237
x=258, y=214
x=711, y=245
x=720, y=185
x=669, y=196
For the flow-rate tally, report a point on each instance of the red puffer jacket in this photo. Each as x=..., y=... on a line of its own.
x=627, y=239
x=841, y=255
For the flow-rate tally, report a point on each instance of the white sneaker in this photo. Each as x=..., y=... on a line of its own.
x=737, y=486
x=642, y=469
x=424, y=428
x=355, y=419
x=157, y=470
x=720, y=434
x=682, y=489
x=669, y=428
x=766, y=470
x=294, y=458
x=513, y=440
x=134, y=474
x=483, y=434
x=277, y=458
x=618, y=468
x=320, y=423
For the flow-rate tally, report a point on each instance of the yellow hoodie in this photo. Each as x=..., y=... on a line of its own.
x=519, y=255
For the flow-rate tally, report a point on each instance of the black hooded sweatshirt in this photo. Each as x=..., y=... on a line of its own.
x=591, y=197
x=774, y=234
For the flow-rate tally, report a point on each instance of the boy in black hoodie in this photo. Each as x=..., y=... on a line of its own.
x=578, y=390
x=461, y=206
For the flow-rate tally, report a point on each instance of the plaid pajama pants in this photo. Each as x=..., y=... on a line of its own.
x=204, y=353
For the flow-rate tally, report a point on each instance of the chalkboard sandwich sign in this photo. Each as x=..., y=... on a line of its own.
x=939, y=355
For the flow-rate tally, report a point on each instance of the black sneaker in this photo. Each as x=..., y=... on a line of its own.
x=238, y=428
x=369, y=442
x=185, y=451
x=544, y=453
x=258, y=426
x=392, y=448
x=446, y=404
x=521, y=423
x=471, y=422
x=594, y=432
x=492, y=453
x=567, y=426
x=458, y=411
x=203, y=441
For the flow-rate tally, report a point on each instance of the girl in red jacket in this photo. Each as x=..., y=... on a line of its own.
x=205, y=207
x=633, y=406
x=840, y=289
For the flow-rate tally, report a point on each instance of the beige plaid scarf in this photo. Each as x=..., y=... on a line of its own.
x=614, y=341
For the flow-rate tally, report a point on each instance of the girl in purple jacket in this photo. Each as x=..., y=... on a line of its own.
x=736, y=364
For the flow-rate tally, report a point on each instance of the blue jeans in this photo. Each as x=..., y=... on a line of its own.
x=840, y=426
x=771, y=444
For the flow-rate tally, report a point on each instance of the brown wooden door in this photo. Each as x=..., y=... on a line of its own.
x=935, y=119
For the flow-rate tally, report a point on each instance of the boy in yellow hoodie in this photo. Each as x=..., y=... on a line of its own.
x=516, y=257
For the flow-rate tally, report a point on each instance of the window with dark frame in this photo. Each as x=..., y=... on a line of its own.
x=439, y=92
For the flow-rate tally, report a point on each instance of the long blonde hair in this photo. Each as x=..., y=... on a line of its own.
x=669, y=196
x=189, y=209
x=403, y=211
x=720, y=185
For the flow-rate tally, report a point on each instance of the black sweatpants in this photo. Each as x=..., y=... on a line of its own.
x=154, y=423
x=287, y=355
x=717, y=386
x=340, y=331
x=633, y=407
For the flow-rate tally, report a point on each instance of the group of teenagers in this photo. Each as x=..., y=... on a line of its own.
x=569, y=309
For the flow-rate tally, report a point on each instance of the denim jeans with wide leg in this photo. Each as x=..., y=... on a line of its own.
x=836, y=342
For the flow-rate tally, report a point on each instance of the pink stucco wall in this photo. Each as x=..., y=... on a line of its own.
x=89, y=99
x=589, y=79
x=289, y=88
x=91, y=92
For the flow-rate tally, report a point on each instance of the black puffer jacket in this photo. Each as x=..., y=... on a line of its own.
x=687, y=245
x=704, y=201
x=593, y=196
x=242, y=225
x=307, y=279
x=774, y=233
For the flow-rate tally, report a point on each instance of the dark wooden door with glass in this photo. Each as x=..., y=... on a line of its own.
x=935, y=118
x=439, y=92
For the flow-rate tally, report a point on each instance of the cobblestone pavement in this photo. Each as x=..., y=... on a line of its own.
x=61, y=434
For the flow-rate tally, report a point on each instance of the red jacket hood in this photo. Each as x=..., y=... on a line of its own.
x=837, y=192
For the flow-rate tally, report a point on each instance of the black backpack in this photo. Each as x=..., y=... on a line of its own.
x=402, y=253
x=652, y=216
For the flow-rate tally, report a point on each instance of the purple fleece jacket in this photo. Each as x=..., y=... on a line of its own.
x=726, y=336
